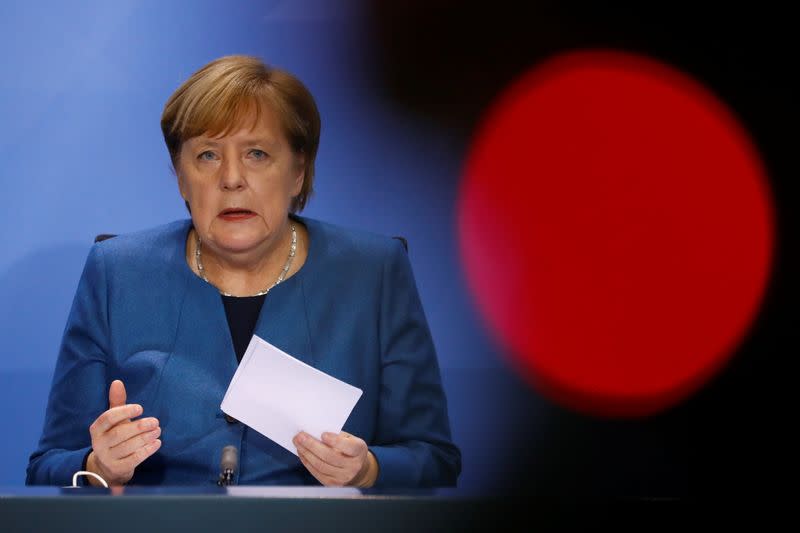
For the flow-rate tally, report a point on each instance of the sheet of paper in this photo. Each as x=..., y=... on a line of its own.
x=279, y=396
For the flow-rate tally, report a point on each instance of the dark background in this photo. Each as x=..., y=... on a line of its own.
x=444, y=61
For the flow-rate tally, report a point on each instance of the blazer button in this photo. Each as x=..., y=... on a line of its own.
x=230, y=419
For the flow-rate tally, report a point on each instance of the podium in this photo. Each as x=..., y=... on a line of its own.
x=238, y=508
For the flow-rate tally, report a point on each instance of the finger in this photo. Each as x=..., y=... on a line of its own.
x=321, y=477
x=124, y=449
x=116, y=394
x=320, y=450
x=320, y=465
x=135, y=459
x=114, y=416
x=127, y=430
x=345, y=443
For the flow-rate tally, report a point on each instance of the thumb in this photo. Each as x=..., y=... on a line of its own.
x=116, y=394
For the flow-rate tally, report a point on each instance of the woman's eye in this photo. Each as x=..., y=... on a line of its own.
x=208, y=155
x=258, y=154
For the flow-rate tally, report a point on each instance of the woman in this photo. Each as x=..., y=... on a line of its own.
x=161, y=317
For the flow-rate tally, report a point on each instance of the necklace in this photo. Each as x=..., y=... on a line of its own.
x=292, y=250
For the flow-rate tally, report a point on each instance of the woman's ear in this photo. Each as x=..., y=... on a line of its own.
x=181, y=186
x=184, y=193
x=182, y=190
x=300, y=176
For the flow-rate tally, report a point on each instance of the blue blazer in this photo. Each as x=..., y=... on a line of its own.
x=141, y=315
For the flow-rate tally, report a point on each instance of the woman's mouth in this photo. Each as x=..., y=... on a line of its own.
x=236, y=214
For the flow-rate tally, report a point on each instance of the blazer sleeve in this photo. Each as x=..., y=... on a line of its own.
x=412, y=443
x=78, y=393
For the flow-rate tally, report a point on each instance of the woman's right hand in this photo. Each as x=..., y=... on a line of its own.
x=120, y=444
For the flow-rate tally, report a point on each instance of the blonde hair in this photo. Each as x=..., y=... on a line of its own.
x=231, y=91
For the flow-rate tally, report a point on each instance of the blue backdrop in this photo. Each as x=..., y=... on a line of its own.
x=81, y=92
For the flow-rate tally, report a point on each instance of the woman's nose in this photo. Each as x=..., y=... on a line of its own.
x=231, y=175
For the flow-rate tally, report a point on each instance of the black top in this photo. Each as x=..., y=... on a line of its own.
x=242, y=314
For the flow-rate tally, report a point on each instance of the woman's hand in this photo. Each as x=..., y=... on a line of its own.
x=337, y=460
x=120, y=444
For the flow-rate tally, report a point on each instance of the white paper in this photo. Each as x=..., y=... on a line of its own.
x=266, y=491
x=280, y=396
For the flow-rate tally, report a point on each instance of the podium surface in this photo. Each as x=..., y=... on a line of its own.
x=237, y=508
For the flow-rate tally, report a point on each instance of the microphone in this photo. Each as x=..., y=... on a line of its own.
x=230, y=460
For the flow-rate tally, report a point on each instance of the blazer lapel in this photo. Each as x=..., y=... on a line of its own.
x=283, y=320
x=204, y=331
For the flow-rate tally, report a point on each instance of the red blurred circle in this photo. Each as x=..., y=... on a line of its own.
x=616, y=230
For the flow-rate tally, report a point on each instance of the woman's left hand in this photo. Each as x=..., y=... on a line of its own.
x=337, y=460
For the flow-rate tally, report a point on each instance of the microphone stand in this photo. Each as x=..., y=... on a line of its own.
x=225, y=478
x=228, y=465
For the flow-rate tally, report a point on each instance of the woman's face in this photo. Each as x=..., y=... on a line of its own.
x=240, y=186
